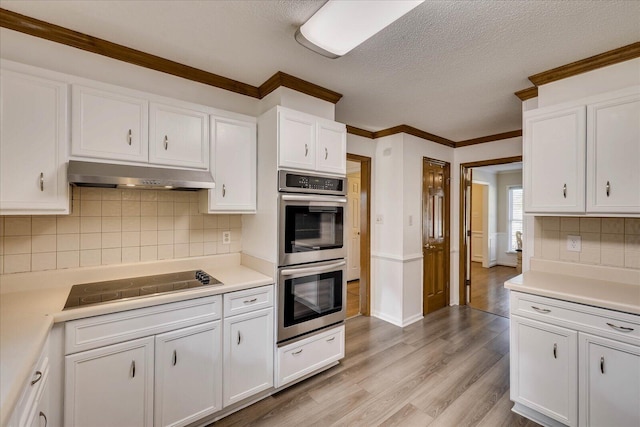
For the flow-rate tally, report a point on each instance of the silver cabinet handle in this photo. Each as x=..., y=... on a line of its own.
x=555, y=351
x=175, y=357
x=297, y=352
x=129, y=137
x=619, y=328
x=166, y=142
x=331, y=339
x=306, y=150
x=564, y=191
x=41, y=181
x=45, y=418
x=38, y=378
x=224, y=190
x=133, y=369
x=608, y=187
x=602, y=364
x=311, y=270
x=252, y=300
x=326, y=153
x=239, y=338
x=541, y=310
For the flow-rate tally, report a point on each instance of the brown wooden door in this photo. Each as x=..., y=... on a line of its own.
x=435, y=234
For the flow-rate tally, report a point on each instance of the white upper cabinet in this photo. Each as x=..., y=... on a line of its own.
x=554, y=150
x=331, y=143
x=311, y=143
x=233, y=165
x=109, y=125
x=178, y=136
x=613, y=155
x=584, y=156
x=33, y=144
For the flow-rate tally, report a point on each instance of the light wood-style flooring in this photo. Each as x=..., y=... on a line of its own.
x=353, y=298
x=487, y=288
x=449, y=369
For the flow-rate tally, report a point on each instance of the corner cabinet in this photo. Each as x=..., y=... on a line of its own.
x=233, y=165
x=311, y=143
x=33, y=158
x=584, y=156
x=573, y=364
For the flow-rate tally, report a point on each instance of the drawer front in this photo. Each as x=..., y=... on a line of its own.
x=621, y=326
x=98, y=331
x=304, y=357
x=25, y=411
x=248, y=300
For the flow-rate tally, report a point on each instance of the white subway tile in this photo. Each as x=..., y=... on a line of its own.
x=130, y=194
x=112, y=208
x=632, y=259
x=632, y=242
x=68, y=242
x=14, y=245
x=18, y=263
x=223, y=249
x=196, y=236
x=148, y=223
x=196, y=222
x=130, y=208
x=570, y=224
x=551, y=223
x=551, y=244
x=90, y=241
x=210, y=235
x=131, y=254
x=612, y=242
x=590, y=225
x=148, y=238
x=196, y=249
x=236, y=234
x=181, y=196
x=90, y=193
x=43, y=261
x=181, y=250
x=148, y=253
x=194, y=209
x=165, y=223
x=43, y=243
x=165, y=237
x=165, y=208
x=90, y=257
x=130, y=238
x=111, y=224
x=210, y=221
x=193, y=197
x=130, y=223
x=235, y=247
x=223, y=221
x=181, y=236
x=181, y=222
x=149, y=195
x=68, y=259
x=235, y=221
x=90, y=224
x=165, y=196
x=612, y=257
x=43, y=225
x=111, y=240
x=148, y=209
x=632, y=225
x=613, y=225
x=181, y=209
x=165, y=251
x=91, y=207
x=111, y=256
x=111, y=194
x=210, y=248
x=17, y=226
x=68, y=225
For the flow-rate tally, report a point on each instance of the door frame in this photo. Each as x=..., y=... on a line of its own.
x=465, y=184
x=447, y=231
x=365, y=231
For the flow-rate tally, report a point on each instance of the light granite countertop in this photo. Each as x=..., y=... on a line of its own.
x=30, y=303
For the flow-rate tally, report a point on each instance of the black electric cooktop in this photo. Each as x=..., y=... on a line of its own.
x=102, y=292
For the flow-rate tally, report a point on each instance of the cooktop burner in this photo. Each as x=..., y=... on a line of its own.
x=103, y=292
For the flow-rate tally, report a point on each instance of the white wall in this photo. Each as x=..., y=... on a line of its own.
x=506, y=180
x=489, y=215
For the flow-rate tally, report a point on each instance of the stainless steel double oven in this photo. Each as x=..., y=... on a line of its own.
x=311, y=252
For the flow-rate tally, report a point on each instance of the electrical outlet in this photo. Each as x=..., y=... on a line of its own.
x=226, y=237
x=574, y=243
x=379, y=219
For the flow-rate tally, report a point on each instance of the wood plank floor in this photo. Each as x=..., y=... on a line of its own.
x=450, y=369
x=487, y=288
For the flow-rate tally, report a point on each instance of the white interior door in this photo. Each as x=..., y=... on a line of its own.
x=353, y=226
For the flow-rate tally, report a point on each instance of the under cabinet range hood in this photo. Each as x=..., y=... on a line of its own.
x=93, y=174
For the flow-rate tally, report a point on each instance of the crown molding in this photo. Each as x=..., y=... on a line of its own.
x=360, y=132
x=415, y=132
x=297, y=84
x=611, y=57
x=528, y=93
x=489, y=138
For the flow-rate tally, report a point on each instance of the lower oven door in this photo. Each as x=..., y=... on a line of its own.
x=310, y=297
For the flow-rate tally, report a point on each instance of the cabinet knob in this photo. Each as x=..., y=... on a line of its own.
x=306, y=150
x=326, y=153
x=564, y=191
x=602, y=364
x=608, y=188
x=166, y=142
x=41, y=181
x=175, y=357
x=129, y=138
x=38, y=377
x=42, y=415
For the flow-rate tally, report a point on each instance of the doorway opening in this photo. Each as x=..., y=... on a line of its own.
x=435, y=234
x=358, y=235
x=490, y=217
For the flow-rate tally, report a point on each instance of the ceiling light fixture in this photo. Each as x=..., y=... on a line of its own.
x=340, y=25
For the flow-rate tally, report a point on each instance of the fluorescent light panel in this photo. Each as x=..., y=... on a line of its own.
x=341, y=25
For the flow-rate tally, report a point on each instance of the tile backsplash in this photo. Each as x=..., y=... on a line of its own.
x=605, y=241
x=113, y=226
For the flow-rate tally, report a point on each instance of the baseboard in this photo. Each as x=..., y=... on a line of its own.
x=413, y=319
x=386, y=318
x=536, y=416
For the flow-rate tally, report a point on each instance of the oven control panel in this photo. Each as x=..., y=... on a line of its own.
x=296, y=182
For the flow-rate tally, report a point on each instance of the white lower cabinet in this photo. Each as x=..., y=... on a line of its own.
x=573, y=364
x=610, y=382
x=248, y=344
x=33, y=407
x=188, y=374
x=543, y=370
x=110, y=386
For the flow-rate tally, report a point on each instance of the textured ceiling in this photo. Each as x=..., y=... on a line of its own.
x=448, y=67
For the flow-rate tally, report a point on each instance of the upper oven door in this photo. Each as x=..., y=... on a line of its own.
x=312, y=228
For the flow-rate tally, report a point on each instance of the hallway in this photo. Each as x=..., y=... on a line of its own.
x=487, y=288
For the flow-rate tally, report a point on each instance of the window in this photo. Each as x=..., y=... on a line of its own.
x=514, y=216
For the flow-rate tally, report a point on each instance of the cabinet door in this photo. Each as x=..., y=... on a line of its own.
x=33, y=144
x=109, y=125
x=188, y=384
x=233, y=161
x=609, y=382
x=554, y=161
x=248, y=355
x=110, y=386
x=296, y=140
x=331, y=147
x=613, y=155
x=544, y=374
x=179, y=137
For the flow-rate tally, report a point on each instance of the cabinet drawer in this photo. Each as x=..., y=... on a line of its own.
x=98, y=331
x=26, y=409
x=609, y=323
x=306, y=356
x=248, y=300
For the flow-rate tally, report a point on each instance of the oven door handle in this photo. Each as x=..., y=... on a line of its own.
x=310, y=198
x=311, y=270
